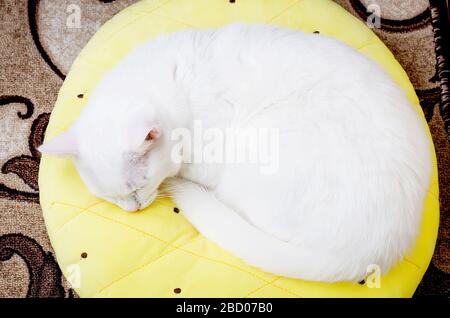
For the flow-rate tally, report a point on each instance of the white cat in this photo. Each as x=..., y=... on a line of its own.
x=353, y=156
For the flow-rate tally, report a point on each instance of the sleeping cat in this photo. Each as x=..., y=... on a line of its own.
x=353, y=160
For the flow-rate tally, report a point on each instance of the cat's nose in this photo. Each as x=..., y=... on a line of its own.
x=133, y=209
x=131, y=206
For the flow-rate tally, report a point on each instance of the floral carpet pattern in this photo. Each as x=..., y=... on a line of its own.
x=39, y=40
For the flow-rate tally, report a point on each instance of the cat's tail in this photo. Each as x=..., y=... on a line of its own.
x=229, y=230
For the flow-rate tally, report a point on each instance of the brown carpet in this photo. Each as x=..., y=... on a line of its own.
x=36, y=51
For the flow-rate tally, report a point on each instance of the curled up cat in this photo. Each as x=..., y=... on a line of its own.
x=349, y=161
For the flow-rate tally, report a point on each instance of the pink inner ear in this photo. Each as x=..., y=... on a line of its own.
x=152, y=135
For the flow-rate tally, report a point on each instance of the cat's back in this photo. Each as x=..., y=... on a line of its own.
x=281, y=56
x=353, y=156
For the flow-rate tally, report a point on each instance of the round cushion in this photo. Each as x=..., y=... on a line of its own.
x=106, y=252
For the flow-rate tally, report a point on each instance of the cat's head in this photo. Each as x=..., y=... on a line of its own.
x=121, y=157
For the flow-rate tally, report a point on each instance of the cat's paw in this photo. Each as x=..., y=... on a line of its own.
x=185, y=193
x=176, y=186
x=172, y=186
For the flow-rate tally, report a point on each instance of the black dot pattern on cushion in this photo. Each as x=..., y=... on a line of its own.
x=177, y=290
x=316, y=32
x=84, y=255
x=176, y=210
x=80, y=96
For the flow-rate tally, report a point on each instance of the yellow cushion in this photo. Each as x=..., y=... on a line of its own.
x=106, y=252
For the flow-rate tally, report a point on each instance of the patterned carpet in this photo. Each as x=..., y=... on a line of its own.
x=36, y=50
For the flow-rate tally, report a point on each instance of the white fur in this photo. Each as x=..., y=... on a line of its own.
x=354, y=161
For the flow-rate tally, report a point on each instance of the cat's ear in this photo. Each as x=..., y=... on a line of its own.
x=153, y=134
x=143, y=136
x=64, y=144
